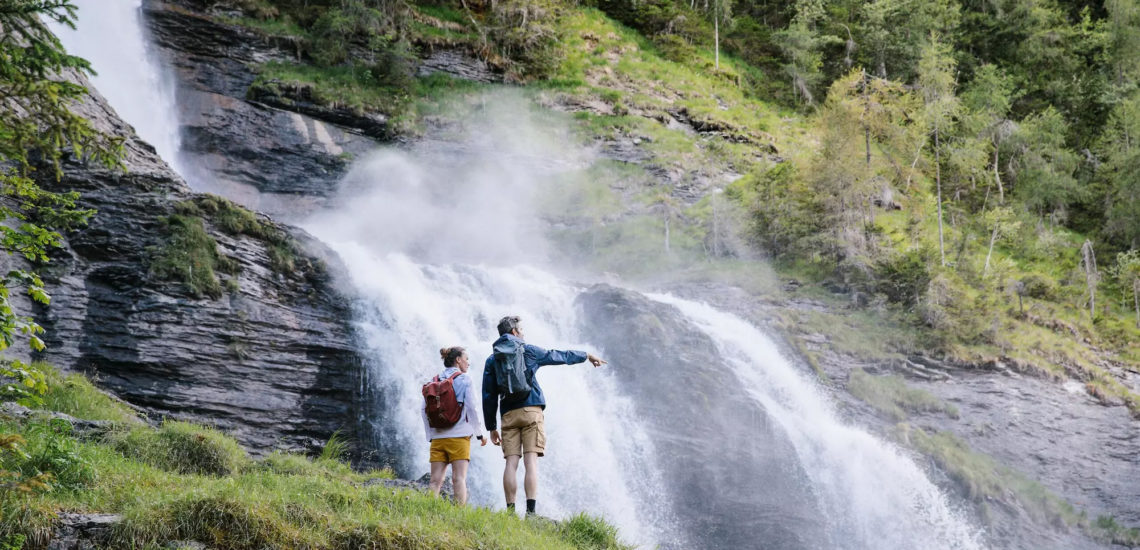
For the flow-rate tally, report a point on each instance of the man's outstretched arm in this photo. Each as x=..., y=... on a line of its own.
x=559, y=357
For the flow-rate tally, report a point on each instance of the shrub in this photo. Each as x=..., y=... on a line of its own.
x=586, y=531
x=1039, y=286
x=183, y=448
x=903, y=277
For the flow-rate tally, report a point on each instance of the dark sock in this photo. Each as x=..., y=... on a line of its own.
x=530, y=504
x=510, y=506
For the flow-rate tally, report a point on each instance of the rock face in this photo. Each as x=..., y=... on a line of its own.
x=280, y=162
x=272, y=362
x=754, y=489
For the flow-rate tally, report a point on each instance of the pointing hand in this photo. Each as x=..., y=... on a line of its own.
x=595, y=360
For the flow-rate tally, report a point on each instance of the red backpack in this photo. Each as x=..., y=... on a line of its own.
x=442, y=407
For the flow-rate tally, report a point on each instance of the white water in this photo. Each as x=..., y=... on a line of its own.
x=110, y=34
x=439, y=248
x=874, y=497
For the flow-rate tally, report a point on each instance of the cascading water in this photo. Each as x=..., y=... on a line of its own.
x=871, y=495
x=110, y=35
x=442, y=240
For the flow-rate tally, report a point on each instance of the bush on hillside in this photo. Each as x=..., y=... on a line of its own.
x=182, y=447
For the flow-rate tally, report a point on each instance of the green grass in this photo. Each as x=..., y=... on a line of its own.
x=891, y=396
x=73, y=394
x=283, y=251
x=186, y=482
x=181, y=447
x=190, y=255
x=348, y=87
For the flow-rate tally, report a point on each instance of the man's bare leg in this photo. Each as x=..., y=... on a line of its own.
x=510, y=478
x=530, y=479
x=459, y=480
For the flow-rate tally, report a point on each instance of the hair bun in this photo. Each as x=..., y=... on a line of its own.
x=443, y=353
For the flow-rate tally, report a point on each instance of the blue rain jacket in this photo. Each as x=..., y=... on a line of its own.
x=535, y=357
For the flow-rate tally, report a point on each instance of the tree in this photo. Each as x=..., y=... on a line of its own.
x=1044, y=165
x=897, y=31
x=1004, y=223
x=721, y=12
x=1092, y=275
x=1127, y=275
x=987, y=101
x=1120, y=147
x=936, y=80
x=37, y=128
x=801, y=44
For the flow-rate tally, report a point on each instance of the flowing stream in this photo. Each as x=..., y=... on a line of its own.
x=441, y=239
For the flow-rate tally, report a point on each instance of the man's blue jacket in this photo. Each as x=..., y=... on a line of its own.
x=534, y=357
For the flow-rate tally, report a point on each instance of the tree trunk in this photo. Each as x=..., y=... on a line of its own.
x=997, y=176
x=938, y=182
x=993, y=238
x=866, y=124
x=716, y=31
x=1136, y=298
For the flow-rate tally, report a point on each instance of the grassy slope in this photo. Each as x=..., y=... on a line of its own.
x=186, y=482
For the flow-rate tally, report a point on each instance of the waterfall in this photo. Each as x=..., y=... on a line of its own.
x=873, y=497
x=110, y=34
x=443, y=238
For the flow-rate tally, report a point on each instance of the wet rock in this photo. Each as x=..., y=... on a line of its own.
x=79, y=427
x=270, y=142
x=458, y=64
x=82, y=531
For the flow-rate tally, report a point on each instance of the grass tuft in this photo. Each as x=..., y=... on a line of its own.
x=181, y=447
x=891, y=395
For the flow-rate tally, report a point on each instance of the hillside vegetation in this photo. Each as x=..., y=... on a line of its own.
x=964, y=169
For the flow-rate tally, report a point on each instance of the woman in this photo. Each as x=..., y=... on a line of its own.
x=452, y=445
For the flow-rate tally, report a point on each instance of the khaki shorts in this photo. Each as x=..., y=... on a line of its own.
x=524, y=432
x=450, y=449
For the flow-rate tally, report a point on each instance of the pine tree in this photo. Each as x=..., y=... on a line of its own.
x=36, y=123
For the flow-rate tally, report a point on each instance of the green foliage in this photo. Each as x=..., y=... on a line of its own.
x=350, y=86
x=21, y=381
x=53, y=451
x=336, y=448
x=1044, y=179
x=180, y=447
x=190, y=256
x=75, y=395
x=891, y=396
x=586, y=531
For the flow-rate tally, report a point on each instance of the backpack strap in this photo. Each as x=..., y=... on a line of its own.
x=452, y=377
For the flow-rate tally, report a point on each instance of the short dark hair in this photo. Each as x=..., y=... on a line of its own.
x=508, y=323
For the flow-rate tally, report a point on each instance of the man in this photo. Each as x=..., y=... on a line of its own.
x=523, y=430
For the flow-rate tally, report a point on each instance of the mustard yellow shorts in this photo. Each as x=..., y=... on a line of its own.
x=524, y=432
x=450, y=449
